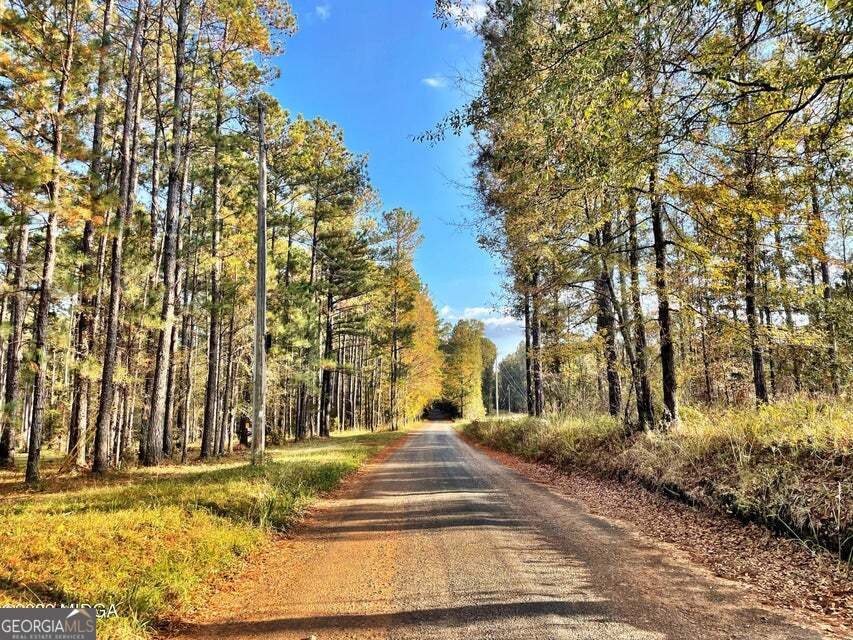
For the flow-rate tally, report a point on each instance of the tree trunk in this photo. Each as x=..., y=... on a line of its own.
x=210, y=417
x=83, y=337
x=188, y=344
x=326, y=388
x=667, y=351
x=528, y=364
x=645, y=408
x=394, y=356
x=225, y=431
x=45, y=289
x=752, y=316
x=259, y=395
x=169, y=419
x=750, y=267
x=156, y=416
x=126, y=202
x=823, y=261
x=782, y=270
x=155, y=145
x=536, y=343
x=14, y=350
x=771, y=356
x=606, y=326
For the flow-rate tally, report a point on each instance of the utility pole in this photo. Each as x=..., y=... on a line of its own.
x=497, y=404
x=260, y=378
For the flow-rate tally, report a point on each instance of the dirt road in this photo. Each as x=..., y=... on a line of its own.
x=440, y=541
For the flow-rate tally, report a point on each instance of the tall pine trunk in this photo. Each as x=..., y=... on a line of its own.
x=210, y=396
x=750, y=260
x=536, y=344
x=395, y=319
x=188, y=345
x=14, y=349
x=528, y=363
x=606, y=326
x=85, y=324
x=667, y=349
x=54, y=190
x=169, y=419
x=127, y=190
x=227, y=394
x=156, y=415
x=326, y=387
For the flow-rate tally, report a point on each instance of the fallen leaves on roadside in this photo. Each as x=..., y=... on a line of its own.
x=781, y=572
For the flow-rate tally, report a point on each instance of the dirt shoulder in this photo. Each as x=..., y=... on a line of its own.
x=275, y=592
x=780, y=572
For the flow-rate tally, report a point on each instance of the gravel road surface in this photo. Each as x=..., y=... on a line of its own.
x=440, y=541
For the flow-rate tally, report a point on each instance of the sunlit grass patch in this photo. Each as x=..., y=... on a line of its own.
x=149, y=541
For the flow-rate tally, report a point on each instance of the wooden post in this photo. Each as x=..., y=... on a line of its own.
x=259, y=396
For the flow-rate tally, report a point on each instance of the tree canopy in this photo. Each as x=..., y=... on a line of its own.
x=668, y=185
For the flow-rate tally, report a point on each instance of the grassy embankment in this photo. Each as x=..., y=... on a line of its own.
x=151, y=541
x=788, y=465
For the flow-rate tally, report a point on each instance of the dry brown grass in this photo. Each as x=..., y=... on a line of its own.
x=786, y=465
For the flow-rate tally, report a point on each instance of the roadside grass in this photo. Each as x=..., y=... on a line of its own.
x=788, y=465
x=150, y=541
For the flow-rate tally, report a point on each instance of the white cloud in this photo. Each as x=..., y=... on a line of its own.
x=468, y=15
x=489, y=316
x=502, y=321
x=477, y=312
x=436, y=82
x=323, y=11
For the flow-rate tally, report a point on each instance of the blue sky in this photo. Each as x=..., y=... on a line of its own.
x=385, y=71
